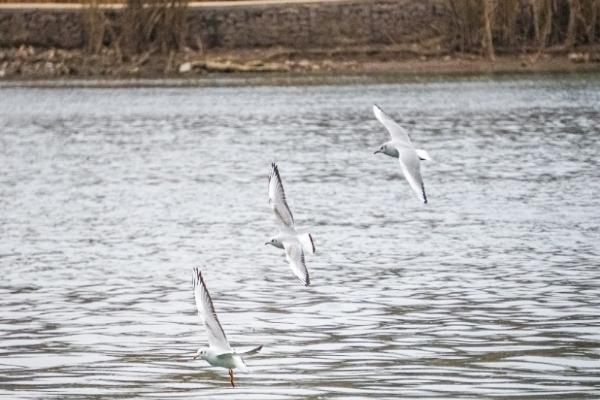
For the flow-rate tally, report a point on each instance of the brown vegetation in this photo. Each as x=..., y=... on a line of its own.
x=143, y=27
x=84, y=2
x=149, y=38
x=527, y=25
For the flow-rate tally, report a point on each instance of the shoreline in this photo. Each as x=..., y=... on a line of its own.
x=226, y=81
x=277, y=67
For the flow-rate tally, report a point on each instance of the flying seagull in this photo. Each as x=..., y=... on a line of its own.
x=219, y=352
x=288, y=239
x=401, y=147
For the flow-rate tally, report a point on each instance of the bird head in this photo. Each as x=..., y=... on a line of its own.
x=275, y=242
x=381, y=149
x=201, y=353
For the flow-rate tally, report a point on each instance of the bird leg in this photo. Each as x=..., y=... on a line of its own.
x=231, y=377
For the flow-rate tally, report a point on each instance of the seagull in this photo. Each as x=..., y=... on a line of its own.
x=294, y=243
x=219, y=352
x=401, y=147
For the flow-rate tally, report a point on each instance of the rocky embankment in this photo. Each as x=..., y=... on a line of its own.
x=292, y=38
x=31, y=62
x=28, y=62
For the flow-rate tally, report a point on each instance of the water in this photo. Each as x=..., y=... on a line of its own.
x=108, y=197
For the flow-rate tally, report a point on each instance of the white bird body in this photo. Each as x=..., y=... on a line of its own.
x=392, y=150
x=219, y=352
x=225, y=360
x=288, y=238
x=292, y=237
x=402, y=148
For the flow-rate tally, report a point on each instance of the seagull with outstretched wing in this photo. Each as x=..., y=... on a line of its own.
x=219, y=352
x=293, y=243
x=402, y=148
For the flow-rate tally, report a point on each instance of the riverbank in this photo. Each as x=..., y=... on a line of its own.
x=28, y=62
x=292, y=38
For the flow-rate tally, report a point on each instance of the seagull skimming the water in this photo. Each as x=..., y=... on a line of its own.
x=288, y=239
x=219, y=352
x=401, y=147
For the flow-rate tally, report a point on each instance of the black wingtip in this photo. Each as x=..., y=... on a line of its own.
x=379, y=108
x=274, y=171
x=312, y=242
x=424, y=195
x=197, y=276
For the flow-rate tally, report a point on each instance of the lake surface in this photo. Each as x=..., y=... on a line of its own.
x=109, y=197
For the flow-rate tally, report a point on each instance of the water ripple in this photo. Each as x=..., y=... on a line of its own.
x=491, y=290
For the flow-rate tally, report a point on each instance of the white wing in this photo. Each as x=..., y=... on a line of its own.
x=277, y=198
x=307, y=242
x=251, y=352
x=206, y=311
x=411, y=168
x=397, y=132
x=295, y=257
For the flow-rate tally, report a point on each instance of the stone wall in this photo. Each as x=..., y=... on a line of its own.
x=45, y=28
x=305, y=25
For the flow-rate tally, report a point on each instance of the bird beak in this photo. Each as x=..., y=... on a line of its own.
x=378, y=151
x=266, y=243
x=195, y=356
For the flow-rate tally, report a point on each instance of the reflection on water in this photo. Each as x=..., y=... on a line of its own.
x=110, y=196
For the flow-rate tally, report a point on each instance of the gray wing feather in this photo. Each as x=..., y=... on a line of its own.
x=411, y=168
x=252, y=352
x=206, y=311
x=277, y=198
x=398, y=133
x=295, y=257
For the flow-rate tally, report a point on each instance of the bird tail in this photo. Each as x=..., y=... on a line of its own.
x=252, y=352
x=307, y=242
x=423, y=155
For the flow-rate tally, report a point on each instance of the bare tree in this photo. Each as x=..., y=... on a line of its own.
x=488, y=14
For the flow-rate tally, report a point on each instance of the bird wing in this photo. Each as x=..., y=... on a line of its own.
x=307, y=242
x=206, y=310
x=277, y=198
x=397, y=132
x=295, y=257
x=252, y=351
x=410, y=165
